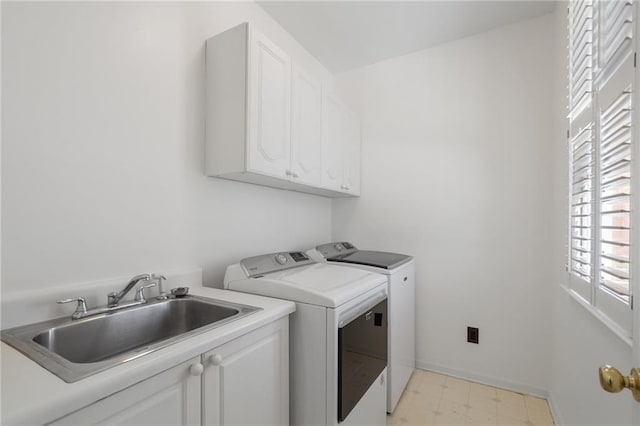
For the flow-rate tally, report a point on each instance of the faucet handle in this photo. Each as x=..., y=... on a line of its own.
x=81, y=308
x=111, y=298
x=140, y=292
x=159, y=278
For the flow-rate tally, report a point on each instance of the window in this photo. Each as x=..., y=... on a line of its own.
x=601, y=141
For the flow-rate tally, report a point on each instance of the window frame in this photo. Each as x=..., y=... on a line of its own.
x=604, y=303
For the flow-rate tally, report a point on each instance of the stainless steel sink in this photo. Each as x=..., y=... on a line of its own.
x=75, y=349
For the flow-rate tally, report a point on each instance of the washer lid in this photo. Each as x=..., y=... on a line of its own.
x=317, y=284
x=378, y=259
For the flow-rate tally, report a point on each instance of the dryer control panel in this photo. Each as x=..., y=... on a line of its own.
x=332, y=250
x=257, y=266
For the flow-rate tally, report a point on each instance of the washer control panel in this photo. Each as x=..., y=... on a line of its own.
x=259, y=265
x=331, y=250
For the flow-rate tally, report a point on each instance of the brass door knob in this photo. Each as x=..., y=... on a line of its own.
x=612, y=380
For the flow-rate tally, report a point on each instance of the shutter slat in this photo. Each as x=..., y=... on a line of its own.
x=617, y=16
x=623, y=164
x=582, y=59
x=579, y=8
x=615, y=243
x=582, y=250
x=616, y=121
x=620, y=197
x=620, y=259
x=617, y=286
x=623, y=133
x=615, y=273
x=616, y=228
x=616, y=182
x=615, y=149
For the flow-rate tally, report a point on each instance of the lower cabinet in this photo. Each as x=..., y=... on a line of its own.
x=169, y=398
x=244, y=381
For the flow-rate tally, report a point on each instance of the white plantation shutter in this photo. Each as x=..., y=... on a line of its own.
x=601, y=140
x=581, y=149
x=615, y=194
x=580, y=55
x=581, y=203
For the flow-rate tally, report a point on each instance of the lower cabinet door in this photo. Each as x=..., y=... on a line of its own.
x=246, y=381
x=172, y=397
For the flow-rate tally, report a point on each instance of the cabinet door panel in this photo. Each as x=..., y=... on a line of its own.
x=332, y=142
x=352, y=152
x=246, y=381
x=305, y=129
x=168, y=398
x=270, y=108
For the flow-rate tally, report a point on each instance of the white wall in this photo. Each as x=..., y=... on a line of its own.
x=102, y=176
x=455, y=169
x=580, y=342
x=103, y=147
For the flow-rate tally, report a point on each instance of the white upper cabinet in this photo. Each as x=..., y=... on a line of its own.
x=269, y=108
x=267, y=122
x=305, y=127
x=340, y=146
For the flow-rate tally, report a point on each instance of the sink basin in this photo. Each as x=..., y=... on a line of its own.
x=75, y=349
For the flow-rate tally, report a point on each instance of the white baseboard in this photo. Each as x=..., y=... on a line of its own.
x=497, y=382
x=555, y=410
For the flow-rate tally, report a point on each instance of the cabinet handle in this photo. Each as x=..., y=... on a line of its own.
x=295, y=175
x=215, y=359
x=287, y=172
x=196, y=369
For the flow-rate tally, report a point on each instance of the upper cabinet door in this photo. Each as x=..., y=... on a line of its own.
x=269, y=102
x=351, y=153
x=332, y=142
x=305, y=129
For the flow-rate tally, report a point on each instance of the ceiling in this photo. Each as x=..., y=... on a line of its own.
x=344, y=35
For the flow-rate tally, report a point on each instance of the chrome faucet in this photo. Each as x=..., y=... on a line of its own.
x=114, y=298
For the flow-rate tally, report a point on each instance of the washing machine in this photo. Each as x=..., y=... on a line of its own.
x=338, y=335
x=400, y=272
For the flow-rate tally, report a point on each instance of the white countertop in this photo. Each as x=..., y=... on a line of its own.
x=33, y=395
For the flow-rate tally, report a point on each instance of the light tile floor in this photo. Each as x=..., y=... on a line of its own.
x=434, y=399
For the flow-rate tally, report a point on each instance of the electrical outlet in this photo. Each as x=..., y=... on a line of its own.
x=473, y=335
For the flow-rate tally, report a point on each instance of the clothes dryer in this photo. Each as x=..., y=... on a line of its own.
x=338, y=335
x=400, y=272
